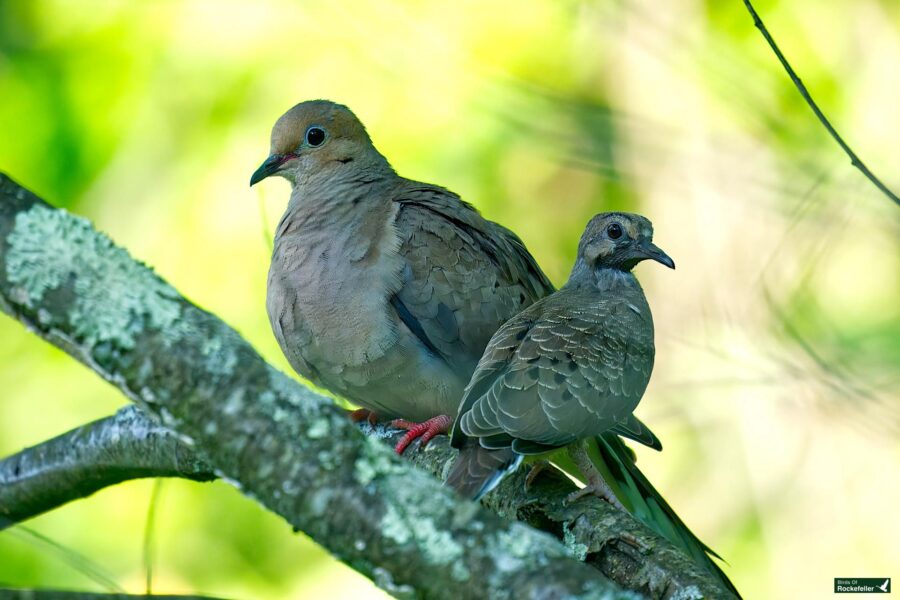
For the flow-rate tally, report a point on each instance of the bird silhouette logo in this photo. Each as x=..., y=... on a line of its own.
x=885, y=587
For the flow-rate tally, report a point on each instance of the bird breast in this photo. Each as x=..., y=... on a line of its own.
x=332, y=275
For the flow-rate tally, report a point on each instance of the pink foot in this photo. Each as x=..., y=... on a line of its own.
x=363, y=414
x=425, y=430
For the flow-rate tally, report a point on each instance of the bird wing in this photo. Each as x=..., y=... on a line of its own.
x=579, y=369
x=464, y=275
x=494, y=363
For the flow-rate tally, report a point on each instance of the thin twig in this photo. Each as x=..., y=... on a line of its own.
x=150, y=535
x=854, y=159
x=82, y=564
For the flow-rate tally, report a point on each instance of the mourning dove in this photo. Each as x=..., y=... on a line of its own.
x=381, y=289
x=567, y=372
x=571, y=366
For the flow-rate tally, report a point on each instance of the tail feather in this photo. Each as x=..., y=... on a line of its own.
x=632, y=428
x=478, y=470
x=648, y=505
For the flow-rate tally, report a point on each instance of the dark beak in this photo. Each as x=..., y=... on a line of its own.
x=271, y=166
x=647, y=249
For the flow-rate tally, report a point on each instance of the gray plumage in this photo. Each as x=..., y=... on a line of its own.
x=571, y=366
x=381, y=289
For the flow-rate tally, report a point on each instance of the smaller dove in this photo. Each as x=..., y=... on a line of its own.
x=562, y=378
x=568, y=368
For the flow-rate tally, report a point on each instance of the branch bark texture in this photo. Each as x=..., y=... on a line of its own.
x=125, y=446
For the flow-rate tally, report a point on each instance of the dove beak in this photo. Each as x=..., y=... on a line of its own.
x=647, y=249
x=269, y=167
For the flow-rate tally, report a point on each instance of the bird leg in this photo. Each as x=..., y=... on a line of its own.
x=364, y=414
x=595, y=483
x=425, y=430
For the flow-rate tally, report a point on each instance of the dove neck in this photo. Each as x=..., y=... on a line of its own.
x=358, y=168
x=342, y=202
x=603, y=278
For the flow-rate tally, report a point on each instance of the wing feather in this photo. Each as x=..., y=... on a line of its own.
x=572, y=365
x=464, y=277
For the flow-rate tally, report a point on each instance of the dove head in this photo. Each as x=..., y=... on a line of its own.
x=619, y=241
x=318, y=139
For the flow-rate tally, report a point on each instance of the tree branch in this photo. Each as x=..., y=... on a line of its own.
x=854, y=159
x=623, y=549
x=280, y=443
x=125, y=446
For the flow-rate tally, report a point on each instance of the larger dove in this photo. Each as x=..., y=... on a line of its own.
x=382, y=289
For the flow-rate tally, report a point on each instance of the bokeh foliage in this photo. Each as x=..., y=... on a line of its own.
x=776, y=387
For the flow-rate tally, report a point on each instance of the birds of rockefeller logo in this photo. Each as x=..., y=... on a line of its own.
x=862, y=585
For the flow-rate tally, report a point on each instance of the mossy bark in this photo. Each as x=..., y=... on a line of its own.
x=129, y=445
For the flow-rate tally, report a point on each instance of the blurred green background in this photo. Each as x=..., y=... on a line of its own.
x=778, y=337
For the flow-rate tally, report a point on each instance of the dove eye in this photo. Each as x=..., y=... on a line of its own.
x=614, y=231
x=315, y=136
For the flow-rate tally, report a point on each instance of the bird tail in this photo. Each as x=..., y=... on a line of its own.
x=616, y=462
x=478, y=470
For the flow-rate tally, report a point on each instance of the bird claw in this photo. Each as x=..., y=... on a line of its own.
x=426, y=430
x=596, y=488
x=364, y=414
